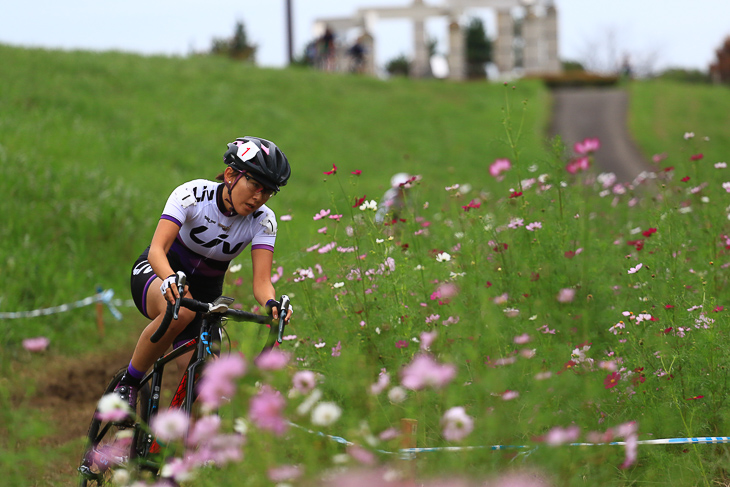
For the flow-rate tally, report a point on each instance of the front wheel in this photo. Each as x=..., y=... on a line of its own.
x=108, y=444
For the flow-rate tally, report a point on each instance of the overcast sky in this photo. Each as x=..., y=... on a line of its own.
x=655, y=33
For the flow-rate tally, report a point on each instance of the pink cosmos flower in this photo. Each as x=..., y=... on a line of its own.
x=356, y=172
x=427, y=338
x=217, y=381
x=566, y=295
x=285, y=218
x=279, y=274
x=336, y=350
x=473, y=204
x=266, y=410
x=498, y=167
x=220, y=449
x=445, y=292
x=273, y=359
x=304, y=381
x=424, y=371
x=366, y=457
x=509, y=395
x=321, y=214
x=559, y=436
x=333, y=171
x=37, y=344
x=522, y=339
x=587, y=146
x=204, y=429
x=170, y=425
x=401, y=344
x=284, y=473
x=456, y=424
x=382, y=384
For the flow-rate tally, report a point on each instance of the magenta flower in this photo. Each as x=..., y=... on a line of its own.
x=456, y=424
x=266, y=411
x=424, y=371
x=357, y=172
x=587, y=146
x=37, y=344
x=273, y=359
x=401, y=344
x=498, y=167
x=333, y=171
x=577, y=165
x=445, y=292
x=336, y=350
x=611, y=380
x=475, y=204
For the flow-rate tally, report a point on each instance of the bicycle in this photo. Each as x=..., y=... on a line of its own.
x=114, y=443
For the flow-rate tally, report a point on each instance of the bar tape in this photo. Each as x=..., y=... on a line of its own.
x=104, y=297
x=410, y=452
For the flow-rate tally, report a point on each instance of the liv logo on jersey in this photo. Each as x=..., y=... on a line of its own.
x=215, y=242
x=205, y=194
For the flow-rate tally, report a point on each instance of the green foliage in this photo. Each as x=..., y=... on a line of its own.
x=478, y=49
x=237, y=47
x=399, y=66
x=684, y=75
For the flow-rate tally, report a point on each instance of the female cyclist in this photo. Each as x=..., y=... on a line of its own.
x=204, y=226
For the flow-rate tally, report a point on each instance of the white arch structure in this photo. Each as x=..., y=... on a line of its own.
x=532, y=51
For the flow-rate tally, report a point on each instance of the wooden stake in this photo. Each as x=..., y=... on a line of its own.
x=409, y=430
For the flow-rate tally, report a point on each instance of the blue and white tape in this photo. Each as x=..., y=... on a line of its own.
x=409, y=453
x=104, y=297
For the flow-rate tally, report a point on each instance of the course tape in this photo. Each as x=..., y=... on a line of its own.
x=409, y=453
x=104, y=297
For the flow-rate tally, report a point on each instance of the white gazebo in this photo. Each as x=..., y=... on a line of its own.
x=527, y=35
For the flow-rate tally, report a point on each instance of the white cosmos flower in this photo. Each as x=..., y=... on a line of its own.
x=326, y=414
x=443, y=257
x=397, y=394
x=235, y=268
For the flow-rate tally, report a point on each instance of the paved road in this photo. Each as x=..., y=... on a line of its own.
x=599, y=112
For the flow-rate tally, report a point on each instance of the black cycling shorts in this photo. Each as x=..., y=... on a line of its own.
x=202, y=288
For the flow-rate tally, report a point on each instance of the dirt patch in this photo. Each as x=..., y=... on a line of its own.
x=64, y=392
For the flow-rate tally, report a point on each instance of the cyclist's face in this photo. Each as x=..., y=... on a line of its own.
x=248, y=194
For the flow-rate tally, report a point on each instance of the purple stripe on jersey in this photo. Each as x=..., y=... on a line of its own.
x=144, y=295
x=172, y=219
x=262, y=246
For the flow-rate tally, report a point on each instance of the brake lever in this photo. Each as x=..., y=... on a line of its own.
x=282, y=315
x=181, y=278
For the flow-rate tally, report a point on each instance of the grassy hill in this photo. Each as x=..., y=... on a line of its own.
x=91, y=145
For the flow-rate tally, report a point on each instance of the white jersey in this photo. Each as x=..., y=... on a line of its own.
x=208, y=239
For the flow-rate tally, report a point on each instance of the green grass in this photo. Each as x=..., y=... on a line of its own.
x=92, y=144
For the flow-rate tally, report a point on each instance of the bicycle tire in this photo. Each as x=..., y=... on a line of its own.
x=105, y=446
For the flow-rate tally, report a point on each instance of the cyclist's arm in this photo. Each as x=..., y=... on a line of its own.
x=162, y=240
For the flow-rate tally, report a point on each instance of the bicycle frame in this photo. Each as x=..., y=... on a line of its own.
x=185, y=393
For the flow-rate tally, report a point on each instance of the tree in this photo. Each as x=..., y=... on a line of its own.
x=399, y=66
x=237, y=46
x=478, y=49
x=720, y=69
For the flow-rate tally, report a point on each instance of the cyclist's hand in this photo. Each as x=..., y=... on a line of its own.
x=170, y=290
x=273, y=307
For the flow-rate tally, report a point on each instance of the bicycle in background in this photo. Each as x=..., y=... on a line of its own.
x=111, y=444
